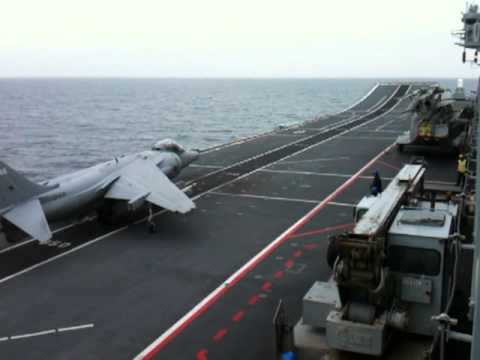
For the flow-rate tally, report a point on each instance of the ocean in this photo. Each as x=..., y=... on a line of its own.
x=50, y=127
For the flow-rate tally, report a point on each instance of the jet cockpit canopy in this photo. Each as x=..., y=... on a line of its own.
x=168, y=145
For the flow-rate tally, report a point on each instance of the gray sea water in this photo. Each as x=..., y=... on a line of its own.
x=50, y=127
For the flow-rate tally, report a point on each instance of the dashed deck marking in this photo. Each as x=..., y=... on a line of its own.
x=202, y=354
x=74, y=328
x=238, y=316
x=47, y=332
x=220, y=334
x=317, y=160
x=333, y=203
x=370, y=138
x=253, y=299
x=39, y=333
x=205, y=166
x=344, y=176
x=267, y=286
x=263, y=197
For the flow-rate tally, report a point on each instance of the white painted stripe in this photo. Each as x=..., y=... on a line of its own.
x=40, y=333
x=205, y=166
x=341, y=204
x=383, y=131
x=317, y=160
x=294, y=172
x=370, y=138
x=263, y=197
x=74, y=328
x=363, y=98
x=47, y=332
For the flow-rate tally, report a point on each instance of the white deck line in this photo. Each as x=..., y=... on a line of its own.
x=74, y=328
x=372, y=138
x=334, y=203
x=294, y=172
x=264, y=197
x=39, y=333
x=206, y=166
x=363, y=98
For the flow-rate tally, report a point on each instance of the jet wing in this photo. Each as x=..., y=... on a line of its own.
x=142, y=179
x=29, y=217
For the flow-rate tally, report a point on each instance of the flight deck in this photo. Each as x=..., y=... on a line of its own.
x=206, y=285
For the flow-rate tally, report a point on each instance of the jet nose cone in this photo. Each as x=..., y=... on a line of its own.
x=189, y=157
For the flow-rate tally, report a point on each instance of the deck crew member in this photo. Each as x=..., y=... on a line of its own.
x=376, y=186
x=461, y=169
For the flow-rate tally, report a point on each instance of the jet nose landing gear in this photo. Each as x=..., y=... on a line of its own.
x=152, y=227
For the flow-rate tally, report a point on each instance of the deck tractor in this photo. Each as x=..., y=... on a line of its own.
x=389, y=273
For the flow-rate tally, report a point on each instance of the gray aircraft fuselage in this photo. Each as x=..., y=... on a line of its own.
x=77, y=192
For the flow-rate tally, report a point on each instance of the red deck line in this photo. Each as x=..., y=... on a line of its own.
x=213, y=297
x=279, y=274
x=220, y=334
x=202, y=354
x=253, y=300
x=289, y=264
x=238, y=316
x=322, y=230
x=267, y=285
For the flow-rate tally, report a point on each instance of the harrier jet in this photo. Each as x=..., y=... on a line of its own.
x=118, y=186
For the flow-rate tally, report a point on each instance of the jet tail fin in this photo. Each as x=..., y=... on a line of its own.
x=19, y=203
x=16, y=188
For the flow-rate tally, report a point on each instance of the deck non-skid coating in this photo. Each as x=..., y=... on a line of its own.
x=133, y=286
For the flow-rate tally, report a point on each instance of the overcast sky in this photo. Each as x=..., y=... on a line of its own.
x=231, y=38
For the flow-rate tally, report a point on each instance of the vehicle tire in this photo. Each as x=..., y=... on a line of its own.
x=332, y=253
x=400, y=147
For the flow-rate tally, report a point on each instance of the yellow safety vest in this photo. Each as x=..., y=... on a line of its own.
x=462, y=165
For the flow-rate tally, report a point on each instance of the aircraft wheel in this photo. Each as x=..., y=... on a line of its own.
x=152, y=228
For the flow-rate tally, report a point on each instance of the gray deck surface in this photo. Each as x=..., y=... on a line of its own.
x=133, y=286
